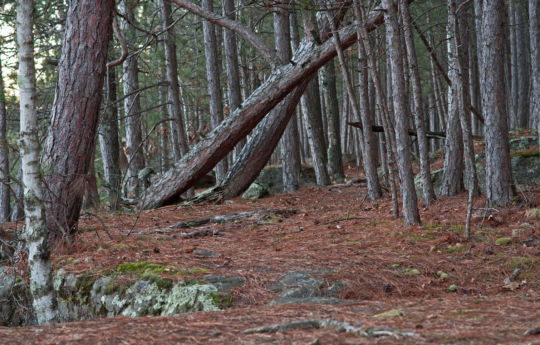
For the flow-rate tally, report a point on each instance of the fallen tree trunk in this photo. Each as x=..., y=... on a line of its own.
x=380, y=129
x=308, y=58
x=429, y=134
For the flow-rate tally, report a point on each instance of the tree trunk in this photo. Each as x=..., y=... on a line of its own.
x=214, y=85
x=312, y=112
x=382, y=110
x=231, y=62
x=175, y=108
x=309, y=57
x=335, y=156
x=132, y=106
x=513, y=88
x=290, y=154
x=18, y=206
x=460, y=90
x=410, y=207
x=499, y=184
x=534, y=31
x=109, y=144
x=75, y=111
x=360, y=112
x=4, y=156
x=427, y=185
x=36, y=230
x=452, y=183
x=522, y=68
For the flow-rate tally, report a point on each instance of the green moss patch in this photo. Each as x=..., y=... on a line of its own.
x=145, y=267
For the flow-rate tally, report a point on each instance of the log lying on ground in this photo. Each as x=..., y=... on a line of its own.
x=232, y=218
x=429, y=134
x=308, y=58
x=337, y=326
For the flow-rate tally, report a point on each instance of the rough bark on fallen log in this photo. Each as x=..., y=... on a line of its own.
x=261, y=214
x=429, y=134
x=380, y=129
x=338, y=326
x=308, y=58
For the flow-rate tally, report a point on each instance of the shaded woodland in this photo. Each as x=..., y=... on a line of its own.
x=128, y=105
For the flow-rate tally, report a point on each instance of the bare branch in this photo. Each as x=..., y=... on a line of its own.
x=123, y=44
x=234, y=26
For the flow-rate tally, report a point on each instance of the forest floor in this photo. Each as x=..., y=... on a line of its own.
x=397, y=279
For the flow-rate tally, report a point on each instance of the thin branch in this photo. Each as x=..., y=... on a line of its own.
x=123, y=44
x=431, y=52
x=234, y=26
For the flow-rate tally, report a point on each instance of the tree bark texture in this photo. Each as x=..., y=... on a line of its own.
x=74, y=118
x=335, y=156
x=213, y=80
x=173, y=90
x=395, y=55
x=231, y=63
x=4, y=156
x=309, y=57
x=383, y=111
x=499, y=184
x=453, y=155
x=36, y=231
x=290, y=153
x=109, y=143
x=534, y=31
x=427, y=185
x=522, y=64
x=132, y=105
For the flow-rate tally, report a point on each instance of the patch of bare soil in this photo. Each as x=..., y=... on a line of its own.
x=413, y=285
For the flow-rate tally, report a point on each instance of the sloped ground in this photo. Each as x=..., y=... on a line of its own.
x=335, y=235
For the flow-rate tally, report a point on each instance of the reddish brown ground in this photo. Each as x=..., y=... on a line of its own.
x=337, y=229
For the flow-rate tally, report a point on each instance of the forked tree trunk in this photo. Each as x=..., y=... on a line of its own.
x=308, y=59
x=382, y=110
x=499, y=184
x=4, y=156
x=36, y=231
x=74, y=118
x=370, y=141
x=427, y=185
x=394, y=51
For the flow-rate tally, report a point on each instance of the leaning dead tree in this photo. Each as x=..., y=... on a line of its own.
x=308, y=58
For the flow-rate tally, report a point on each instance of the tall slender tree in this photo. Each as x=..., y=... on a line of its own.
x=132, y=102
x=395, y=55
x=178, y=131
x=499, y=184
x=427, y=185
x=36, y=231
x=213, y=80
x=109, y=143
x=4, y=156
x=534, y=31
